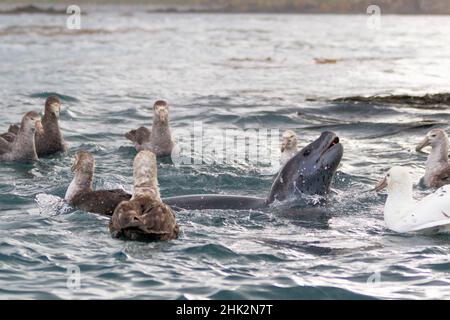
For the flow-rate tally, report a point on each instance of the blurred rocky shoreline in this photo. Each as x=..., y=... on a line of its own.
x=242, y=6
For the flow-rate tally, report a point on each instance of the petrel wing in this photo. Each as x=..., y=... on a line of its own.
x=140, y=136
x=101, y=201
x=9, y=137
x=444, y=177
x=14, y=128
x=5, y=146
x=131, y=135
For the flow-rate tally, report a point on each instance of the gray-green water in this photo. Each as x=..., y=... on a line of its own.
x=227, y=71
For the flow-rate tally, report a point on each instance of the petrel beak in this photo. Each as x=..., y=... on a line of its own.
x=425, y=142
x=56, y=107
x=135, y=221
x=381, y=185
x=284, y=145
x=163, y=116
x=72, y=168
x=39, y=127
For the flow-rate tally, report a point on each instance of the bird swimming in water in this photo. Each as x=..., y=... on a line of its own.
x=159, y=138
x=289, y=146
x=81, y=194
x=22, y=146
x=49, y=140
x=404, y=214
x=437, y=171
x=145, y=217
x=11, y=134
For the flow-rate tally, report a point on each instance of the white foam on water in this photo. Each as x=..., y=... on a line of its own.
x=51, y=205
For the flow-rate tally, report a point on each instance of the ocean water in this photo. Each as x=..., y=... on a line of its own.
x=226, y=72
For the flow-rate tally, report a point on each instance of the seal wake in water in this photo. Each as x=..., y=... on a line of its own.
x=145, y=216
x=309, y=172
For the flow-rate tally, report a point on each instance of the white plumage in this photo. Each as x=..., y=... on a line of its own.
x=404, y=214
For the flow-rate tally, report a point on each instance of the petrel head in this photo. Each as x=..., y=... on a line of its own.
x=53, y=106
x=161, y=111
x=32, y=120
x=84, y=163
x=289, y=141
x=434, y=138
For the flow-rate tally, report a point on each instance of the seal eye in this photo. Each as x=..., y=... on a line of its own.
x=307, y=153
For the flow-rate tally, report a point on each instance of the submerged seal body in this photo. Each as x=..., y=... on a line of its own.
x=309, y=172
x=22, y=147
x=80, y=193
x=159, y=139
x=145, y=216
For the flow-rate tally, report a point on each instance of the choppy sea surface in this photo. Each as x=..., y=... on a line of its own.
x=225, y=72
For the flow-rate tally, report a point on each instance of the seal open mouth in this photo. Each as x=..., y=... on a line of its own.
x=333, y=141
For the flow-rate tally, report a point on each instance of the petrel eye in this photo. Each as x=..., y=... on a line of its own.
x=307, y=153
x=433, y=136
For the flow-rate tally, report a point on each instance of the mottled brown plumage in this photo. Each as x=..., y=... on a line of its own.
x=145, y=217
x=22, y=148
x=141, y=138
x=11, y=134
x=437, y=171
x=80, y=193
x=159, y=139
x=101, y=201
x=51, y=141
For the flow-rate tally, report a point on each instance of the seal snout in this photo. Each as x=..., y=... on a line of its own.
x=331, y=142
